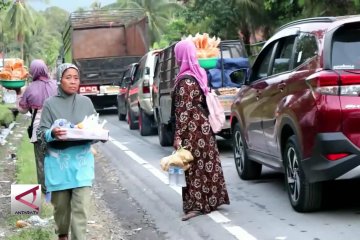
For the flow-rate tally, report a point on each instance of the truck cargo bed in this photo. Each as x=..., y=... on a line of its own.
x=103, y=70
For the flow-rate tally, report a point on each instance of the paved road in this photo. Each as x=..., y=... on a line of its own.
x=259, y=209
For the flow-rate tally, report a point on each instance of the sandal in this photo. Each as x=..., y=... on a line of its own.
x=191, y=214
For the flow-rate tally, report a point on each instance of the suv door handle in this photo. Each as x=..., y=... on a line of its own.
x=281, y=86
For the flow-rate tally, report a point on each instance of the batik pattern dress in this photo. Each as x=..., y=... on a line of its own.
x=205, y=184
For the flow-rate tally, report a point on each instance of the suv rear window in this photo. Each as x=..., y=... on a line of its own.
x=346, y=49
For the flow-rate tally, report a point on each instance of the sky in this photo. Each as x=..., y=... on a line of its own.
x=68, y=5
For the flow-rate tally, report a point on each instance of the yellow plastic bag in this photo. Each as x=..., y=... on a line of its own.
x=179, y=158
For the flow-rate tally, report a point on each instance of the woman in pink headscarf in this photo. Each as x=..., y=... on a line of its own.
x=41, y=88
x=205, y=184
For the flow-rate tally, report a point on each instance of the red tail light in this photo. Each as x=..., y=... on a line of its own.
x=146, y=86
x=327, y=79
x=350, y=79
x=336, y=156
x=146, y=89
x=324, y=82
x=350, y=84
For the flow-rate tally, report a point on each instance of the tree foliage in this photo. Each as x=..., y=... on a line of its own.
x=159, y=13
x=4, y=4
x=40, y=33
x=31, y=34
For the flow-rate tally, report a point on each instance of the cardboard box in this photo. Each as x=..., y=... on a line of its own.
x=86, y=134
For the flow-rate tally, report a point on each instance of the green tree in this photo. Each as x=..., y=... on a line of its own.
x=159, y=13
x=18, y=21
x=4, y=4
x=329, y=7
x=227, y=19
x=50, y=37
x=56, y=19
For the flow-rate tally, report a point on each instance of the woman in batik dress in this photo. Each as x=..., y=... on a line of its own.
x=205, y=184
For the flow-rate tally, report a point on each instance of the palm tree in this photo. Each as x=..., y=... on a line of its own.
x=159, y=13
x=34, y=39
x=18, y=21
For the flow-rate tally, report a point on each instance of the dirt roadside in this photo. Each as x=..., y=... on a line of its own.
x=113, y=213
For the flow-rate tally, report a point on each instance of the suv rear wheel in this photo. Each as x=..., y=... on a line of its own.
x=131, y=120
x=246, y=168
x=121, y=116
x=304, y=196
x=144, y=123
x=165, y=135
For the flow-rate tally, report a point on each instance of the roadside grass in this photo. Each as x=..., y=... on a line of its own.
x=26, y=174
x=6, y=116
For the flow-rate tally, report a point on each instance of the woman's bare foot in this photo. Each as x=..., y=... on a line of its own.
x=191, y=214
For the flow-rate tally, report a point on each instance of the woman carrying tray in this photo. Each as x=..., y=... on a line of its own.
x=69, y=165
x=41, y=88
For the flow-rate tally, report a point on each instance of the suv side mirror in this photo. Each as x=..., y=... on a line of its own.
x=147, y=71
x=239, y=76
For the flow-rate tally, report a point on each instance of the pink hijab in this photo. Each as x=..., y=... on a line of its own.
x=185, y=54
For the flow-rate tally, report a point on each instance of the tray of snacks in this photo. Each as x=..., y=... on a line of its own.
x=14, y=74
x=88, y=129
x=12, y=84
x=207, y=49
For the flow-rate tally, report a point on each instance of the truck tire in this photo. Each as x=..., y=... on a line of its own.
x=131, y=120
x=303, y=196
x=121, y=116
x=145, y=123
x=165, y=135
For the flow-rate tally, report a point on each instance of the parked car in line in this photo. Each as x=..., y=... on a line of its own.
x=140, y=111
x=223, y=78
x=124, y=83
x=299, y=111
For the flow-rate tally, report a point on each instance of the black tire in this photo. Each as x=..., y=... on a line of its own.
x=303, y=196
x=246, y=168
x=145, y=123
x=166, y=137
x=121, y=116
x=131, y=120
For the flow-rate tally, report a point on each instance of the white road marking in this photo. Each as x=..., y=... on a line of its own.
x=237, y=231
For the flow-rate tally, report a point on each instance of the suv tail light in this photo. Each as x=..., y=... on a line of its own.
x=350, y=84
x=333, y=83
x=146, y=87
x=324, y=82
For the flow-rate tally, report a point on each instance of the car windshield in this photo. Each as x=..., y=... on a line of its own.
x=346, y=49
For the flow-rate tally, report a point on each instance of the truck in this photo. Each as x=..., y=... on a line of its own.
x=101, y=43
x=224, y=79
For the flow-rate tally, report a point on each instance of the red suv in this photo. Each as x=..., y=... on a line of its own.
x=299, y=111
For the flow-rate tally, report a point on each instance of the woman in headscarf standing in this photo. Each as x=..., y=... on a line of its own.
x=41, y=88
x=69, y=165
x=205, y=184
